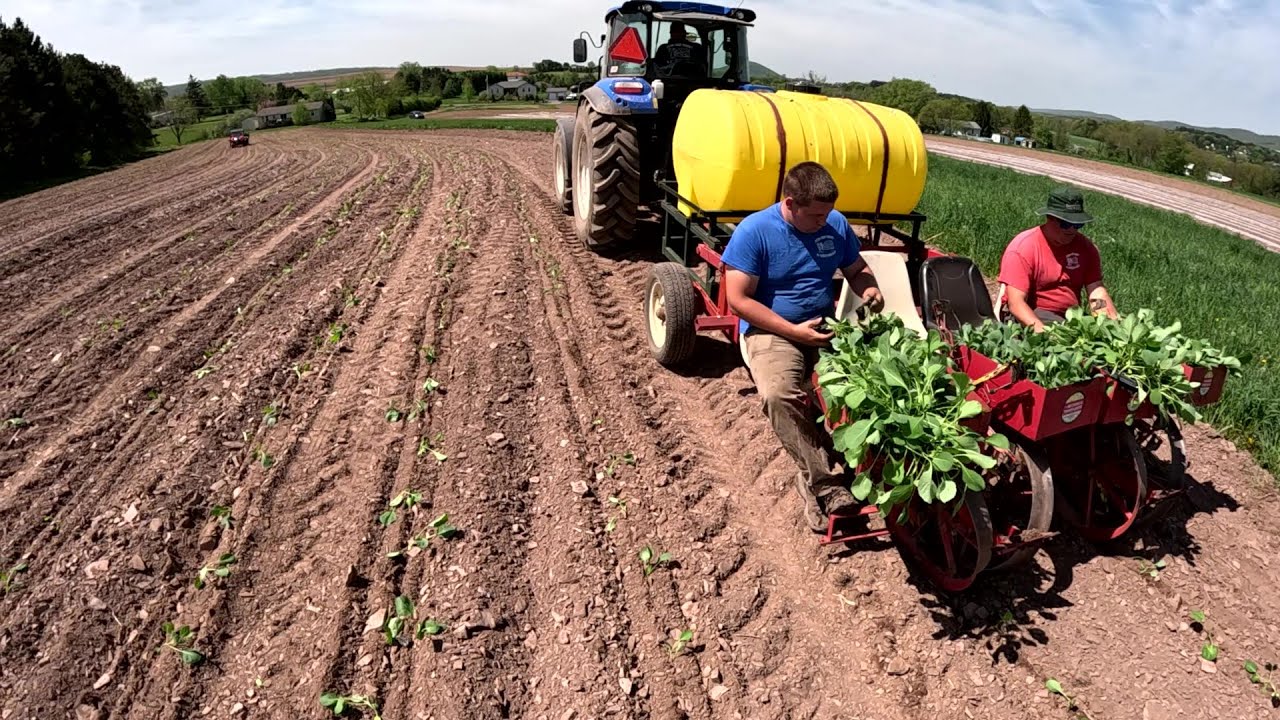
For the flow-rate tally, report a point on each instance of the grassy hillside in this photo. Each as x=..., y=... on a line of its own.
x=761, y=73
x=1238, y=134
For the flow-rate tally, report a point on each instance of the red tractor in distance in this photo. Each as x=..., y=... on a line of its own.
x=238, y=138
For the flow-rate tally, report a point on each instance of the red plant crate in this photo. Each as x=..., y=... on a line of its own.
x=1211, y=380
x=1038, y=412
x=1117, y=404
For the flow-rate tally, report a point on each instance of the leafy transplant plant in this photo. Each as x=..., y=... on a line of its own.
x=1134, y=348
x=905, y=413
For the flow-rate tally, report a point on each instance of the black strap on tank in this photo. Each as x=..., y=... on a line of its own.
x=884, y=171
x=782, y=146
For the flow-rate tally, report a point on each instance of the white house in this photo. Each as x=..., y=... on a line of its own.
x=521, y=89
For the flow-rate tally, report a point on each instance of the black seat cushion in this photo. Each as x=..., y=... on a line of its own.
x=953, y=293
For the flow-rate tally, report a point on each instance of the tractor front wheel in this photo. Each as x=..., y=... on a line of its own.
x=670, y=306
x=606, y=178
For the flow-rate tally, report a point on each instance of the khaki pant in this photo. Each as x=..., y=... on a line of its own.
x=782, y=371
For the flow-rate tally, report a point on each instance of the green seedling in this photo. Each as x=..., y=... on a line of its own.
x=300, y=369
x=428, y=627
x=8, y=578
x=271, y=414
x=646, y=560
x=407, y=497
x=349, y=298
x=336, y=332
x=430, y=445
x=339, y=703
x=1056, y=688
x=220, y=569
x=17, y=422
x=404, y=611
x=616, y=459
x=179, y=640
x=678, y=645
x=223, y=515
x=419, y=409
x=393, y=414
x=1266, y=684
x=429, y=352
x=1208, y=651
x=430, y=385
x=439, y=528
x=613, y=519
x=1151, y=569
x=264, y=457
x=202, y=373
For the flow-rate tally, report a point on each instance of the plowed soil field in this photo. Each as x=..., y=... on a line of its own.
x=301, y=331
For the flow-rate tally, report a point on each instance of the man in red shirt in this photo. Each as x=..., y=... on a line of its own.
x=1045, y=268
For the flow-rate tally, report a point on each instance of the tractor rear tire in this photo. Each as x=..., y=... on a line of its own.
x=606, y=178
x=561, y=147
x=670, y=307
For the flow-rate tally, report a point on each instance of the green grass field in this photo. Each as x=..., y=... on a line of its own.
x=531, y=125
x=192, y=133
x=1222, y=287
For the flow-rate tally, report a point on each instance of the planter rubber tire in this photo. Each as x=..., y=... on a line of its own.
x=606, y=178
x=670, y=306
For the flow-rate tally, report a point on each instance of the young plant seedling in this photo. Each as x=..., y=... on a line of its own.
x=223, y=515
x=680, y=643
x=300, y=369
x=407, y=497
x=432, y=445
x=17, y=422
x=646, y=559
x=8, y=578
x=1208, y=651
x=1151, y=569
x=179, y=640
x=429, y=352
x=271, y=414
x=1266, y=684
x=616, y=459
x=201, y=373
x=264, y=457
x=419, y=409
x=1056, y=688
x=404, y=612
x=613, y=519
x=221, y=569
x=430, y=385
x=339, y=703
x=393, y=414
x=439, y=528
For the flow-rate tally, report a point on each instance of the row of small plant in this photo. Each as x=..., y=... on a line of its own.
x=1134, y=347
x=908, y=410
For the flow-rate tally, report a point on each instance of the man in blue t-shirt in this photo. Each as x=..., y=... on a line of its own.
x=781, y=262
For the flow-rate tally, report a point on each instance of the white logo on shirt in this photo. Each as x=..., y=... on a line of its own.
x=826, y=246
x=1073, y=261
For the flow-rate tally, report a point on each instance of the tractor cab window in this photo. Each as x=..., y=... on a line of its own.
x=681, y=52
x=728, y=49
x=627, y=49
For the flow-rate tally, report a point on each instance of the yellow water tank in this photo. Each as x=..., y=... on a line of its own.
x=731, y=149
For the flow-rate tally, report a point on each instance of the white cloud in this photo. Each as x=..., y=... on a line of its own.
x=1208, y=62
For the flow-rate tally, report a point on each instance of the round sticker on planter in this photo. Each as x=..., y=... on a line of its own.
x=1072, y=408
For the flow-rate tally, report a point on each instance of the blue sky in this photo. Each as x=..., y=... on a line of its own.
x=1209, y=62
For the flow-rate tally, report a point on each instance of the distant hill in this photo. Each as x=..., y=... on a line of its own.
x=762, y=73
x=1240, y=135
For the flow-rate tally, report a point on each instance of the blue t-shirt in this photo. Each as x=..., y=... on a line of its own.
x=795, y=269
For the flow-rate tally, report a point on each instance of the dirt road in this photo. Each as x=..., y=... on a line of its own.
x=303, y=330
x=1232, y=212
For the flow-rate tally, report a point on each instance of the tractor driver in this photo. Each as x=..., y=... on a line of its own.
x=780, y=262
x=678, y=57
x=1045, y=268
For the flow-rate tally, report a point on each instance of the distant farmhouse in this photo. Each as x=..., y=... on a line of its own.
x=318, y=111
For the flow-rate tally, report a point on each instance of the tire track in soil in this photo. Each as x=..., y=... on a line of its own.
x=74, y=516
x=64, y=294
x=144, y=206
x=358, y=458
x=175, y=330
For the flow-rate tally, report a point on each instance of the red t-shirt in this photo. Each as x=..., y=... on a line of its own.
x=1051, y=276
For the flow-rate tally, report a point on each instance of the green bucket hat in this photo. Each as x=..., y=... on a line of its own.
x=1067, y=203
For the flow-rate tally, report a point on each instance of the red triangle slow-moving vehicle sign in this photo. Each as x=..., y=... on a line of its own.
x=628, y=47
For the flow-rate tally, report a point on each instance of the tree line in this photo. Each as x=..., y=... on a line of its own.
x=62, y=112
x=1252, y=168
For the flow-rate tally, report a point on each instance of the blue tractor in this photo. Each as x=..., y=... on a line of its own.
x=612, y=154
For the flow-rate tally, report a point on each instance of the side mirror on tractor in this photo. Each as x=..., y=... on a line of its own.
x=579, y=50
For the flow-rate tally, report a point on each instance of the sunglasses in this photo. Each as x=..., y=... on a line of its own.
x=1068, y=225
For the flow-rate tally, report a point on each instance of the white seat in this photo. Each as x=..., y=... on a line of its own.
x=890, y=269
